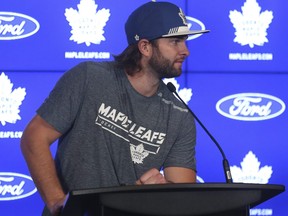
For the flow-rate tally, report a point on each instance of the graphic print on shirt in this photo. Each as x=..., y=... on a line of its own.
x=143, y=141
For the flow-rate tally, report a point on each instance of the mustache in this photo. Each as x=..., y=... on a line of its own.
x=181, y=59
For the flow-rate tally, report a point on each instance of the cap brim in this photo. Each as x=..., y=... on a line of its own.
x=186, y=33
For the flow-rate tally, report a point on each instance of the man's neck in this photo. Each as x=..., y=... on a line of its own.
x=144, y=83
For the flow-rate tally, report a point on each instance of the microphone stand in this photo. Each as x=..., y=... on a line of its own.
x=226, y=165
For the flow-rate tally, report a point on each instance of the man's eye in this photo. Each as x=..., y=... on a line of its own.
x=176, y=41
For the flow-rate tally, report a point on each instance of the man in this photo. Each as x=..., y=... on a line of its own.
x=117, y=122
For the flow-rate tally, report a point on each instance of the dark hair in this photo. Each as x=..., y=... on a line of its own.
x=130, y=58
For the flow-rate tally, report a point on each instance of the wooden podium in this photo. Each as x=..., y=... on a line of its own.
x=171, y=199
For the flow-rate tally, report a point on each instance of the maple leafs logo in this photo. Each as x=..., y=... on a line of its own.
x=184, y=93
x=87, y=23
x=10, y=101
x=138, y=153
x=182, y=16
x=251, y=25
x=251, y=171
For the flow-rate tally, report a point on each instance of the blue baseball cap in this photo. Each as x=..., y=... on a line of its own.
x=155, y=20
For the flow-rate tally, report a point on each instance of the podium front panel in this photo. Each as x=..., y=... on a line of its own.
x=180, y=199
x=180, y=202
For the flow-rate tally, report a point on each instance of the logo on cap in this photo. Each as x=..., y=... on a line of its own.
x=137, y=37
x=183, y=17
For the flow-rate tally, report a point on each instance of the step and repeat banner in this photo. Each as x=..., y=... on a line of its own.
x=235, y=80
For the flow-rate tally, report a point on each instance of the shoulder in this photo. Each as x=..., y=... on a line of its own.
x=104, y=65
x=88, y=70
x=92, y=67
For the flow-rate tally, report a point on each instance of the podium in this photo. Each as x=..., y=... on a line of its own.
x=220, y=199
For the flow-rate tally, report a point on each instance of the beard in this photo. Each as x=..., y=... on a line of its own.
x=163, y=66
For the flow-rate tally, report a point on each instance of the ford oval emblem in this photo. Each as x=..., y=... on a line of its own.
x=250, y=106
x=194, y=24
x=15, y=186
x=17, y=26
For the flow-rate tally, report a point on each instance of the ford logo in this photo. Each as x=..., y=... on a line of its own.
x=15, y=186
x=250, y=106
x=194, y=24
x=17, y=26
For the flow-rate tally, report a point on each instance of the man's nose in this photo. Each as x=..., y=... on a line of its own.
x=185, y=50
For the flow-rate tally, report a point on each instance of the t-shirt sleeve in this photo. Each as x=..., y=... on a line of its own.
x=182, y=153
x=63, y=103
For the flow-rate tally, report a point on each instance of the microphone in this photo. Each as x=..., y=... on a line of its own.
x=226, y=165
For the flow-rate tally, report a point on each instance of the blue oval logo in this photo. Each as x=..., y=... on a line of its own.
x=17, y=26
x=15, y=186
x=194, y=24
x=250, y=106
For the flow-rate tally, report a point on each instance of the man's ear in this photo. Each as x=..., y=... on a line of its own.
x=145, y=47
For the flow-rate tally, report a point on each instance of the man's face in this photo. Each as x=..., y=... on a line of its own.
x=168, y=56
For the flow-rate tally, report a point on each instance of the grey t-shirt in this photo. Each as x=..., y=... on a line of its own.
x=111, y=133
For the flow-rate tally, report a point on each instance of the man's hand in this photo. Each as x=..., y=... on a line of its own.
x=152, y=176
x=172, y=175
x=56, y=208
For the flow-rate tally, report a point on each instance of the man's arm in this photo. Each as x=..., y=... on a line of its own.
x=179, y=175
x=35, y=146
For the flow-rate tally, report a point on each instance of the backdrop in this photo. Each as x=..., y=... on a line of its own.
x=235, y=80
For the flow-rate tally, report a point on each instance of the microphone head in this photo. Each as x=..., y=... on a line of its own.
x=171, y=87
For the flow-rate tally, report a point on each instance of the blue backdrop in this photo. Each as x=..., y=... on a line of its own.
x=235, y=80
